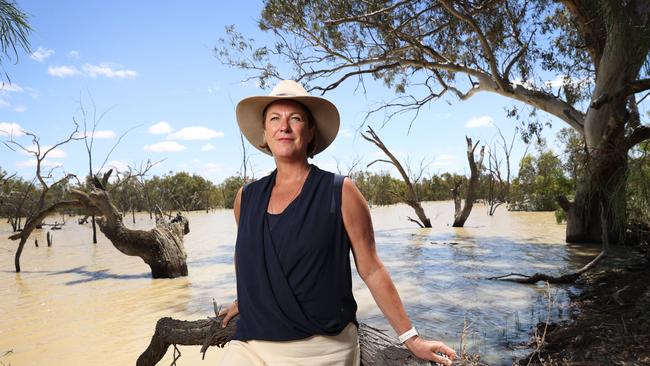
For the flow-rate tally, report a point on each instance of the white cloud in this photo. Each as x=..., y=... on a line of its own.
x=104, y=69
x=165, y=146
x=555, y=83
x=212, y=168
x=207, y=147
x=20, y=108
x=117, y=165
x=62, y=71
x=525, y=83
x=344, y=132
x=54, y=154
x=11, y=129
x=41, y=54
x=10, y=87
x=445, y=157
x=102, y=134
x=160, y=128
x=560, y=80
x=4, y=103
x=32, y=163
x=195, y=133
x=444, y=160
x=214, y=88
x=483, y=121
x=74, y=54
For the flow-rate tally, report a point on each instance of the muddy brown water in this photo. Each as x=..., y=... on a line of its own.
x=80, y=303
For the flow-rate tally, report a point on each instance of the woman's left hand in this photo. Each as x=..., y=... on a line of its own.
x=428, y=350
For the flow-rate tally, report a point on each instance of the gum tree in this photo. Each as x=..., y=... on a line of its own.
x=596, y=51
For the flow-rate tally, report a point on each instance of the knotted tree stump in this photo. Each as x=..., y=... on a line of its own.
x=377, y=348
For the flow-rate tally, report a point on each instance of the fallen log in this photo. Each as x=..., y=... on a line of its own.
x=377, y=348
x=567, y=278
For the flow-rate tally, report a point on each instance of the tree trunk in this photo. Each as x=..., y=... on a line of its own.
x=377, y=348
x=605, y=127
x=461, y=215
x=94, y=230
x=161, y=247
x=603, y=184
x=411, y=197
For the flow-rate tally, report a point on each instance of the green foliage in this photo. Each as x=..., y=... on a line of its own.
x=381, y=189
x=638, y=185
x=540, y=181
x=180, y=191
x=574, y=154
x=228, y=190
x=14, y=32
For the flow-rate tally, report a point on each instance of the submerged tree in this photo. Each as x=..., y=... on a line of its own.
x=410, y=197
x=424, y=50
x=461, y=215
x=161, y=247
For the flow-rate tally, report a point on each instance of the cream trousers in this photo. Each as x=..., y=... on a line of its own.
x=318, y=350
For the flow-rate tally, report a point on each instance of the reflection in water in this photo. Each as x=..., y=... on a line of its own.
x=82, y=303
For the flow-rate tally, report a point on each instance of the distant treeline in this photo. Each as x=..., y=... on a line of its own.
x=542, y=177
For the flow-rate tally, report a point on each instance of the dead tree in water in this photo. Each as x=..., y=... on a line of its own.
x=161, y=247
x=411, y=197
x=461, y=216
x=40, y=154
x=377, y=348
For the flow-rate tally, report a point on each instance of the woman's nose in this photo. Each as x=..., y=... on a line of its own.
x=285, y=126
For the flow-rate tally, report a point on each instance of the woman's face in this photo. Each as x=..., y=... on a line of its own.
x=287, y=130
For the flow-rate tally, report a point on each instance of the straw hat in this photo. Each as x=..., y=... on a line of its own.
x=326, y=117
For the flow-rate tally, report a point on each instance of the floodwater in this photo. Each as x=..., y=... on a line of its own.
x=80, y=303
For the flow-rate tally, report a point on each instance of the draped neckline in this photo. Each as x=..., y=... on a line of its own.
x=312, y=169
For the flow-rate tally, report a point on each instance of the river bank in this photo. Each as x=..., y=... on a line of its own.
x=610, y=323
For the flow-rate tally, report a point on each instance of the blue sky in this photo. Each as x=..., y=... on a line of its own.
x=150, y=66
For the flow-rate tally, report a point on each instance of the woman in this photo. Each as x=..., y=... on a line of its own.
x=296, y=229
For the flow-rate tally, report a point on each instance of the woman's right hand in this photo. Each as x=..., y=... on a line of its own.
x=229, y=313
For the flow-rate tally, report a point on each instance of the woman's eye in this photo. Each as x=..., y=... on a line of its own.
x=297, y=118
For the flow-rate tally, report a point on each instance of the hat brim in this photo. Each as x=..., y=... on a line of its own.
x=326, y=119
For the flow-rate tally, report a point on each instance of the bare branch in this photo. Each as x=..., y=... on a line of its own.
x=118, y=142
x=640, y=134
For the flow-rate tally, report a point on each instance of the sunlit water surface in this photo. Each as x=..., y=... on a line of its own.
x=80, y=303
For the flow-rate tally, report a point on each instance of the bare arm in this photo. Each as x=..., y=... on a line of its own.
x=237, y=204
x=358, y=224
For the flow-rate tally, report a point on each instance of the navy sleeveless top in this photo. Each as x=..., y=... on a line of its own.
x=294, y=280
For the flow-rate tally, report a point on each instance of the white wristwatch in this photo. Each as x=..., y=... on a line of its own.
x=407, y=335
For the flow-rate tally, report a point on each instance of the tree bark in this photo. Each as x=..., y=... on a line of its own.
x=377, y=348
x=609, y=126
x=461, y=215
x=161, y=247
x=603, y=186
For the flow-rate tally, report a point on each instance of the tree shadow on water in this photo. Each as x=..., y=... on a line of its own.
x=90, y=276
